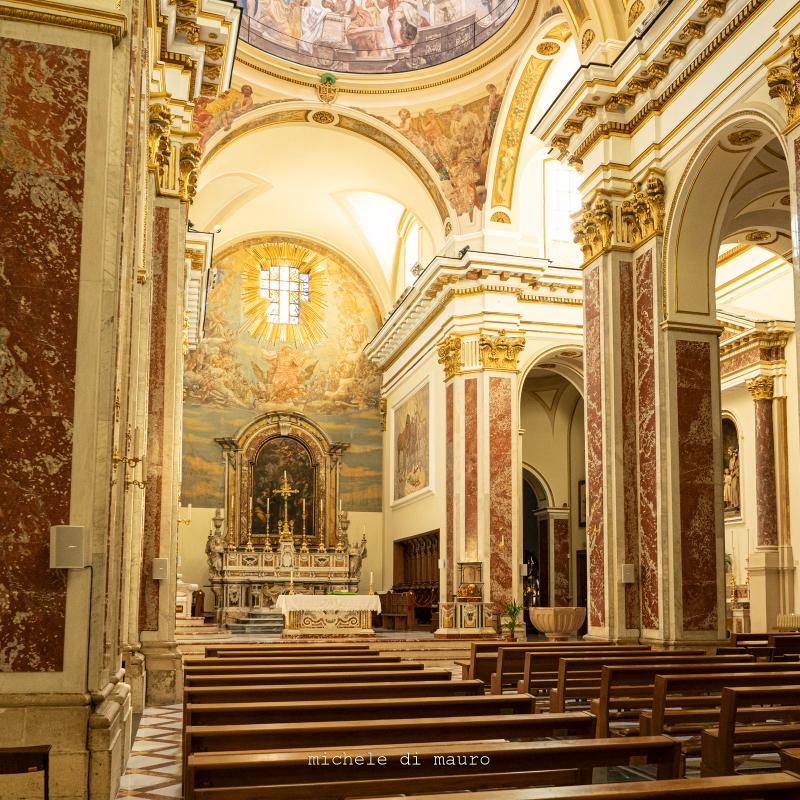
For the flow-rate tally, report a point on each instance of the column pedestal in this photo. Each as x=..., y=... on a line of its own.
x=763, y=570
x=163, y=664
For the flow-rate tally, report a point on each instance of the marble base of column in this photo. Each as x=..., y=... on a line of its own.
x=163, y=673
x=135, y=678
x=109, y=742
x=763, y=573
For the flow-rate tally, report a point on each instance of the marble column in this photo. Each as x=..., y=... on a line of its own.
x=764, y=563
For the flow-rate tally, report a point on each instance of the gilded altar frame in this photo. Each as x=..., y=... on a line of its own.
x=240, y=452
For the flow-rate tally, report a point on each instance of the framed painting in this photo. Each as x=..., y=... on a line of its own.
x=582, y=503
x=411, y=445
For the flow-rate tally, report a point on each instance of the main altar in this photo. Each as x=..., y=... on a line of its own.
x=284, y=530
x=328, y=616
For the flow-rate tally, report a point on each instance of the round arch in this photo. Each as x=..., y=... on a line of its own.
x=564, y=360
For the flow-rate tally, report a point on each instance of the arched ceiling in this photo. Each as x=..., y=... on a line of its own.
x=311, y=180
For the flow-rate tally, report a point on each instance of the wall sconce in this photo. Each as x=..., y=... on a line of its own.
x=187, y=520
x=130, y=462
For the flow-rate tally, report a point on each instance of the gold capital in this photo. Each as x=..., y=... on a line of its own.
x=450, y=356
x=761, y=388
x=784, y=82
x=500, y=352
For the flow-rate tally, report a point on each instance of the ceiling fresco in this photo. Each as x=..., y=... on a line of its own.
x=371, y=36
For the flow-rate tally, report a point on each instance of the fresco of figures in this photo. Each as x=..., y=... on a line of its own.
x=457, y=143
x=232, y=377
x=412, y=444
x=371, y=35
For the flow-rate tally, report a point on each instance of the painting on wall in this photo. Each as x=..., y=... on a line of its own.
x=235, y=376
x=283, y=454
x=371, y=36
x=412, y=444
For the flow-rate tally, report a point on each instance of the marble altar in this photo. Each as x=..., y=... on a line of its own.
x=328, y=615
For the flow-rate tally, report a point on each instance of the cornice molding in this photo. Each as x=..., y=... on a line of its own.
x=64, y=15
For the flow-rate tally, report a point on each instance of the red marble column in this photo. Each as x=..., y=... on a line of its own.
x=595, y=533
x=471, y=469
x=561, y=562
x=646, y=443
x=448, y=589
x=698, y=499
x=761, y=389
x=500, y=481
x=44, y=97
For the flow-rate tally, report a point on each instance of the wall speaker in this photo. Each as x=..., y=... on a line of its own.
x=159, y=569
x=70, y=547
x=628, y=573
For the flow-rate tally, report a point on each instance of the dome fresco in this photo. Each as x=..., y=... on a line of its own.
x=371, y=36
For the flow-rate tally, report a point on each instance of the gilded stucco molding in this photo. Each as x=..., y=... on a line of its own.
x=500, y=352
x=784, y=82
x=158, y=143
x=63, y=15
x=189, y=161
x=450, y=356
x=382, y=407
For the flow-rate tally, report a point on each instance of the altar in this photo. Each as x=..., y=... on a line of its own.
x=328, y=615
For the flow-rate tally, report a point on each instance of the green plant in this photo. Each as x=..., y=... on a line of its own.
x=512, y=611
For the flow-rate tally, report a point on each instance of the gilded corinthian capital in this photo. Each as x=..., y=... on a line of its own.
x=784, y=81
x=501, y=351
x=189, y=161
x=158, y=147
x=761, y=388
x=450, y=356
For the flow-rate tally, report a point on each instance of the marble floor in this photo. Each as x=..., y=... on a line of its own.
x=154, y=767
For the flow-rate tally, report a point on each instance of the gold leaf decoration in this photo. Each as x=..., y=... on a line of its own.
x=310, y=326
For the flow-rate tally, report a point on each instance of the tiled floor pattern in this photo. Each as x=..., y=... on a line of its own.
x=154, y=768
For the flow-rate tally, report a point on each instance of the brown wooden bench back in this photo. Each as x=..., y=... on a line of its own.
x=298, y=660
x=288, y=648
x=267, y=669
x=414, y=673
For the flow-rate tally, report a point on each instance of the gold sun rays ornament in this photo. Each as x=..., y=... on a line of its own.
x=283, y=294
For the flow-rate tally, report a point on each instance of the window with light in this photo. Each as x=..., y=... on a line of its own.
x=284, y=288
x=562, y=199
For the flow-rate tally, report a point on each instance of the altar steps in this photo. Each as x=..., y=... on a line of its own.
x=258, y=622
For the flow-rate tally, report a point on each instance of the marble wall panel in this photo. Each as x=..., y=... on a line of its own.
x=471, y=469
x=561, y=561
x=500, y=479
x=594, y=448
x=646, y=441
x=450, y=553
x=44, y=99
x=153, y=498
x=696, y=483
x=627, y=322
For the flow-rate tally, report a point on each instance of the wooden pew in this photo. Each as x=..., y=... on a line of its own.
x=790, y=759
x=579, y=678
x=771, y=786
x=274, y=669
x=389, y=708
x=540, y=668
x=490, y=648
x=703, y=691
x=216, y=650
x=626, y=691
x=365, y=733
x=274, y=775
x=509, y=667
x=778, y=704
x=291, y=661
x=416, y=673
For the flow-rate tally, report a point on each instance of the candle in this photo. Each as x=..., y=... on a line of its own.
x=190, y=513
x=251, y=504
x=370, y=579
x=363, y=531
x=304, y=506
x=137, y=442
x=340, y=506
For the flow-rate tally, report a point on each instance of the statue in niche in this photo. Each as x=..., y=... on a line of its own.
x=215, y=548
x=733, y=475
x=731, y=469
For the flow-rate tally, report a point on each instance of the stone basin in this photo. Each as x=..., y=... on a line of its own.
x=557, y=623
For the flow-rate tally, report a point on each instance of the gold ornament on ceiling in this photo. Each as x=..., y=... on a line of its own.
x=323, y=117
x=548, y=48
x=327, y=90
x=785, y=200
x=501, y=217
x=260, y=262
x=634, y=11
x=757, y=236
x=587, y=39
x=745, y=137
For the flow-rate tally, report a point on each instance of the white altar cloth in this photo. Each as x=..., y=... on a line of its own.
x=328, y=602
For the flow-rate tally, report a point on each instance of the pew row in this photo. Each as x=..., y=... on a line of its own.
x=247, y=776
x=221, y=650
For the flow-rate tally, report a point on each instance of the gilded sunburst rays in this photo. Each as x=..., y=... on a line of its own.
x=310, y=325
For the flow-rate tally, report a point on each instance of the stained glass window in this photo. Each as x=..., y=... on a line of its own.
x=284, y=288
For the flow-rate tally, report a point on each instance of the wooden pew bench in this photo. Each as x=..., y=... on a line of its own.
x=218, y=650
x=275, y=775
x=416, y=672
x=291, y=661
x=578, y=679
x=509, y=666
x=777, y=786
x=274, y=669
x=489, y=649
x=540, y=667
x=627, y=691
x=704, y=691
x=745, y=728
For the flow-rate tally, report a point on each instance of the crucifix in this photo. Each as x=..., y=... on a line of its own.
x=285, y=527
